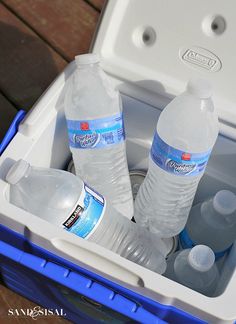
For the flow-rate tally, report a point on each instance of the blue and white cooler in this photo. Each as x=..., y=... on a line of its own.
x=150, y=49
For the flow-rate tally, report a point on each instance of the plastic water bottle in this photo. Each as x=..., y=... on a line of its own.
x=64, y=200
x=194, y=268
x=212, y=223
x=96, y=133
x=186, y=132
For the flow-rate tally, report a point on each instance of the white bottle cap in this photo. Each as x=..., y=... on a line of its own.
x=224, y=202
x=199, y=88
x=201, y=258
x=84, y=59
x=17, y=171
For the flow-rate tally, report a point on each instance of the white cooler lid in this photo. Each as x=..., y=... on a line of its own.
x=159, y=45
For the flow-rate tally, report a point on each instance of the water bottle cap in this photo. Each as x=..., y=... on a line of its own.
x=84, y=59
x=199, y=88
x=201, y=258
x=17, y=171
x=224, y=202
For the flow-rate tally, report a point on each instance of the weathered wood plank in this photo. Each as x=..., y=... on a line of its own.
x=97, y=3
x=68, y=25
x=7, y=114
x=11, y=300
x=27, y=64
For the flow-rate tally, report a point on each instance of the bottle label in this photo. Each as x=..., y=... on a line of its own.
x=187, y=243
x=176, y=161
x=87, y=213
x=96, y=133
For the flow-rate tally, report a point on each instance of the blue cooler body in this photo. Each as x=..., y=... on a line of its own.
x=83, y=281
x=78, y=295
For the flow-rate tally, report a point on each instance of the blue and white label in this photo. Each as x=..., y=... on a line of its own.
x=87, y=213
x=96, y=133
x=176, y=161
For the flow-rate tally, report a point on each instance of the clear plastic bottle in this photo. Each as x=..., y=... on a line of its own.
x=213, y=223
x=186, y=132
x=194, y=268
x=64, y=200
x=96, y=133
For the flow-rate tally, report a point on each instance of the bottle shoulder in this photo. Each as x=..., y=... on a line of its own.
x=89, y=95
x=205, y=214
x=191, y=277
x=189, y=124
x=50, y=189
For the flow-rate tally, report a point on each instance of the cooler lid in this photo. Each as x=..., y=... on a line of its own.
x=152, y=48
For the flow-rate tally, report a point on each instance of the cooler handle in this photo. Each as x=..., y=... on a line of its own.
x=98, y=261
x=12, y=130
x=80, y=284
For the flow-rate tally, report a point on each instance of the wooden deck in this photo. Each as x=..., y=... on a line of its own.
x=37, y=40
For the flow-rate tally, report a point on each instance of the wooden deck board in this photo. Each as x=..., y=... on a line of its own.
x=97, y=3
x=7, y=113
x=27, y=64
x=67, y=25
x=10, y=300
x=37, y=39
